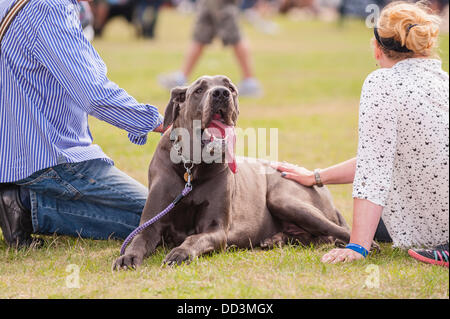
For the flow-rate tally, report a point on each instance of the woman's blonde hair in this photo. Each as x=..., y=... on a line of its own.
x=413, y=25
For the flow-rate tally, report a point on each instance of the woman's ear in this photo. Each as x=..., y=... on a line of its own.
x=378, y=52
x=178, y=96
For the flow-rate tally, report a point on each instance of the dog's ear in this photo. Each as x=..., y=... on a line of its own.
x=178, y=96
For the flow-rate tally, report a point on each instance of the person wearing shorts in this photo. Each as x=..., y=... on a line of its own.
x=216, y=19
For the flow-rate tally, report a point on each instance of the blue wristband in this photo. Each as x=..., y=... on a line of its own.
x=358, y=248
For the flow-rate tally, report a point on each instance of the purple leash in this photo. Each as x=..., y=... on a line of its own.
x=184, y=193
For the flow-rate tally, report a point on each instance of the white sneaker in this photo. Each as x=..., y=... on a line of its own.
x=172, y=80
x=250, y=88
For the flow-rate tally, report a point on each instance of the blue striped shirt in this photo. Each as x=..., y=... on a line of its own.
x=51, y=80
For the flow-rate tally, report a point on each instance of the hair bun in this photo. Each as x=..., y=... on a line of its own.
x=423, y=38
x=411, y=24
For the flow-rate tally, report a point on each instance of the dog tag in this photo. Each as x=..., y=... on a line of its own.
x=186, y=177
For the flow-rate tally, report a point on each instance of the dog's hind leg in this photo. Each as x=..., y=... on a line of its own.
x=307, y=217
x=277, y=240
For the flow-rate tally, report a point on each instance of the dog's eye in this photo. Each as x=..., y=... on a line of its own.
x=199, y=91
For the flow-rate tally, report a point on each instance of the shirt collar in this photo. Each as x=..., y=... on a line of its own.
x=423, y=62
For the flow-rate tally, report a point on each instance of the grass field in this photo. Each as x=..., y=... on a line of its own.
x=312, y=74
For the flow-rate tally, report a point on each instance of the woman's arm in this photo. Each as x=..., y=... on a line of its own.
x=343, y=173
x=366, y=216
x=374, y=165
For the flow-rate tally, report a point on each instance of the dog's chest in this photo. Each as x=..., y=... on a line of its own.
x=184, y=222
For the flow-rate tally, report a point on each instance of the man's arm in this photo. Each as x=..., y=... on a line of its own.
x=62, y=48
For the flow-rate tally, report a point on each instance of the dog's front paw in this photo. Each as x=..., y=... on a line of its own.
x=127, y=261
x=177, y=256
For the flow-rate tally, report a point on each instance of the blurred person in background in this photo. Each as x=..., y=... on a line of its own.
x=252, y=11
x=401, y=172
x=358, y=8
x=146, y=15
x=104, y=10
x=216, y=18
x=439, y=5
x=287, y=5
x=143, y=14
x=87, y=21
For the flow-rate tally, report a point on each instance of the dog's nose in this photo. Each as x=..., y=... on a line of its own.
x=221, y=94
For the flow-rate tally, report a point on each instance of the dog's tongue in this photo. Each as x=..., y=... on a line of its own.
x=222, y=130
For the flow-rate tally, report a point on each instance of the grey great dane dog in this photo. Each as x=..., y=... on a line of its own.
x=246, y=209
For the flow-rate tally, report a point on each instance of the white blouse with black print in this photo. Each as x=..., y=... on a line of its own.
x=403, y=151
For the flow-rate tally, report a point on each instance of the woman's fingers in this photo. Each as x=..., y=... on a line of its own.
x=341, y=255
x=299, y=174
x=290, y=168
x=285, y=167
x=330, y=256
x=339, y=258
x=293, y=176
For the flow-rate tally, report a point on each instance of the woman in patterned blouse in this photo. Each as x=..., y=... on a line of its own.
x=401, y=172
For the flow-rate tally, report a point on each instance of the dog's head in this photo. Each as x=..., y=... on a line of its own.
x=210, y=101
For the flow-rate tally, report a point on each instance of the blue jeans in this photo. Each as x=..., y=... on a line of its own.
x=91, y=199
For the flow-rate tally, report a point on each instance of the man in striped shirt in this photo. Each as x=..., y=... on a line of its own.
x=53, y=179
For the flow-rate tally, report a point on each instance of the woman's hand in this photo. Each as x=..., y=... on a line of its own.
x=341, y=255
x=299, y=174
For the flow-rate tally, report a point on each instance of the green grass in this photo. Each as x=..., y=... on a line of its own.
x=312, y=73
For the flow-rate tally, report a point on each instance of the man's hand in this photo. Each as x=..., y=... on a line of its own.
x=299, y=174
x=341, y=255
x=159, y=129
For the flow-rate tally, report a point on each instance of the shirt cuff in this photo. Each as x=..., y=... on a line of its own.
x=379, y=199
x=142, y=139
